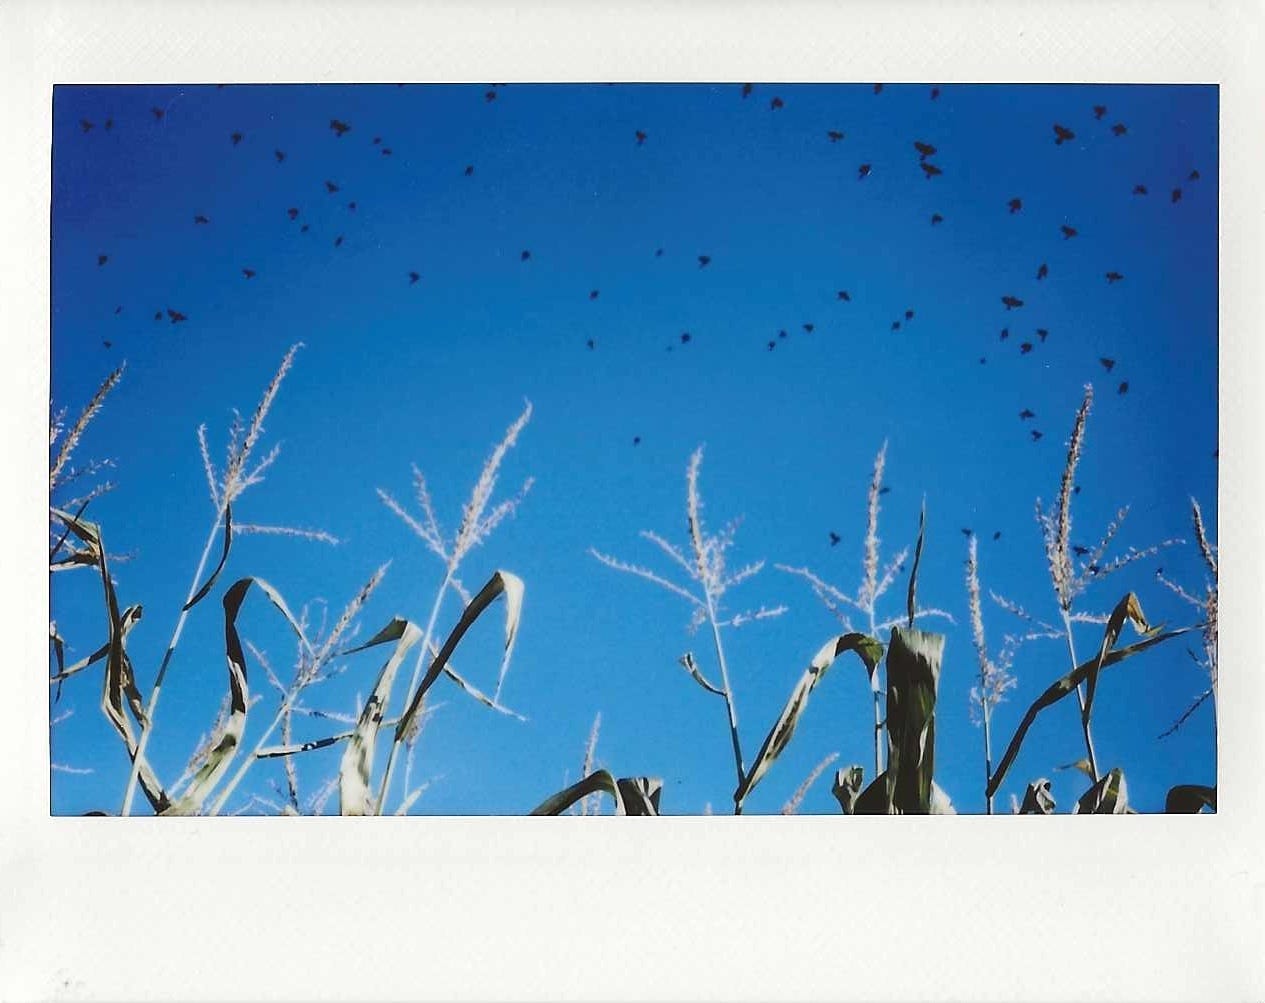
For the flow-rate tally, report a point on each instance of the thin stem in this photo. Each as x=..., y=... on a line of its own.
x=417, y=673
x=988, y=750
x=147, y=725
x=1080, y=699
x=729, y=702
x=878, y=732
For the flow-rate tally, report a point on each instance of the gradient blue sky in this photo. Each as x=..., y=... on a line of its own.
x=394, y=374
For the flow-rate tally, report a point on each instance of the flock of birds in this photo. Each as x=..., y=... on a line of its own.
x=925, y=151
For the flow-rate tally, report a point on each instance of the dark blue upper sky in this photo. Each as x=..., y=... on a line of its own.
x=431, y=373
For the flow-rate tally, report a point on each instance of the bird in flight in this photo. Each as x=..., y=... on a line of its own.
x=1011, y=302
x=176, y=316
x=1042, y=271
x=1042, y=333
x=248, y=272
x=331, y=187
x=845, y=296
x=1113, y=277
x=109, y=124
x=704, y=260
x=895, y=325
x=1062, y=134
x=236, y=138
x=1139, y=189
x=863, y=172
x=412, y=278
x=636, y=440
x=1108, y=364
x=930, y=170
x=878, y=88
x=925, y=150
x=200, y=219
x=935, y=93
x=386, y=151
x=489, y=96
x=377, y=141
x=884, y=489
x=469, y=171
x=338, y=241
x=776, y=103
x=658, y=252
x=746, y=89
x=304, y=228
x=834, y=538
x=1025, y=414
x=279, y=154
x=1177, y=195
x=102, y=259
x=936, y=219
x=1035, y=435
x=685, y=337
x=1005, y=333
x=996, y=536
x=808, y=328
x=1119, y=129
x=340, y=128
x=834, y=135
x=158, y=114
x=594, y=293
x=772, y=345
x=909, y=315
x=1015, y=205
x=967, y=531
x=293, y=214
x=1025, y=348
x=1099, y=111
x=1079, y=550
x=118, y=310
x=592, y=344
x=351, y=206
x=525, y=256
x=1068, y=231
x=782, y=334
x=641, y=137
x=85, y=125
x=158, y=315
x=108, y=344
x=1193, y=176
x=1124, y=387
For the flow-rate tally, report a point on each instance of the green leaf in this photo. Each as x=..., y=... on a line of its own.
x=1190, y=799
x=1064, y=685
x=1083, y=766
x=913, y=675
x=356, y=766
x=779, y=736
x=1038, y=800
x=1110, y=796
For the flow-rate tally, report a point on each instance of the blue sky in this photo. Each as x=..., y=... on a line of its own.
x=431, y=373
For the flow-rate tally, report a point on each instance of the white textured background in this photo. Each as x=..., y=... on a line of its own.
x=1004, y=909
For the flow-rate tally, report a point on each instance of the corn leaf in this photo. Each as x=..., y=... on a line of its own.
x=129, y=618
x=692, y=668
x=913, y=675
x=847, y=788
x=1110, y=796
x=911, y=598
x=599, y=780
x=779, y=736
x=357, y=762
x=228, y=543
x=640, y=794
x=1038, y=800
x=1064, y=685
x=1127, y=609
x=1190, y=799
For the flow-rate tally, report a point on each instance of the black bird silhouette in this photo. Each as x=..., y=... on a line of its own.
x=930, y=170
x=909, y=315
x=1025, y=348
x=118, y=310
x=412, y=278
x=808, y=328
x=102, y=259
x=895, y=325
x=1124, y=387
x=658, y=252
x=1015, y=205
x=304, y=228
x=925, y=150
x=1177, y=195
x=884, y=489
x=746, y=89
x=108, y=344
x=1113, y=277
x=983, y=361
x=641, y=137
x=997, y=535
x=1100, y=110
x=338, y=241
x=1076, y=489
x=593, y=294
x=1079, y=551
x=85, y=125
x=636, y=440
x=1062, y=134
x=248, y=272
x=158, y=315
x=864, y=171
x=1043, y=271
x=772, y=345
x=1011, y=302
x=776, y=103
x=236, y=138
x=878, y=88
x=1139, y=189
x=834, y=538
x=377, y=140
x=469, y=171
x=489, y=96
x=936, y=218
x=1042, y=333
x=386, y=151
x=200, y=219
x=109, y=124
x=176, y=316
x=845, y=296
x=1068, y=231
x=293, y=214
x=279, y=154
x=685, y=337
x=967, y=531
x=782, y=334
x=1193, y=176
x=351, y=206
x=1025, y=414
x=1119, y=129
x=1035, y=435
x=704, y=260
x=158, y=114
x=340, y=128
x=592, y=344
x=935, y=93
x=834, y=135
x=1093, y=569
x=1108, y=364
x=331, y=187
x=525, y=256
x=1005, y=333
